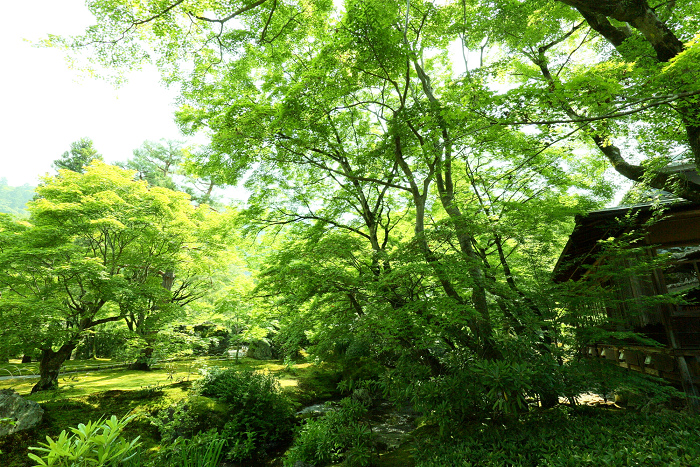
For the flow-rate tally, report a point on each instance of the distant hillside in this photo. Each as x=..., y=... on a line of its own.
x=13, y=199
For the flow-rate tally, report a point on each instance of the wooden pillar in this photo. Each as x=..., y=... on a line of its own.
x=689, y=387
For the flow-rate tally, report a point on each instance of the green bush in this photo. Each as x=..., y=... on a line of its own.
x=320, y=382
x=564, y=437
x=202, y=450
x=259, y=415
x=244, y=407
x=505, y=384
x=447, y=400
x=338, y=435
x=190, y=416
x=97, y=444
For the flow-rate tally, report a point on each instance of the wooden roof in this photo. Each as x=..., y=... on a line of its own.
x=584, y=242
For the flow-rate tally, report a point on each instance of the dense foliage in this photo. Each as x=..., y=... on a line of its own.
x=338, y=435
x=81, y=154
x=259, y=416
x=100, y=444
x=162, y=164
x=420, y=162
x=99, y=247
x=245, y=408
x=570, y=438
x=413, y=170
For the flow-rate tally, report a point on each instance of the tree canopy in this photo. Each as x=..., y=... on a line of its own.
x=165, y=164
x=602, y=74
x=98, y=247
x=422, y=160
x=80, y=155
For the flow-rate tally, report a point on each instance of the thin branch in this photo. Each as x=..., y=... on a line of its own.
x=667, y=99
x=267, y=23
x=232, y=15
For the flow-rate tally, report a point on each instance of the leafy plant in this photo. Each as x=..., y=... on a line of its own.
x=506, y=384
x=568, y=437
x=202, y=450
x=258, y=414
x=97, y=444
x=289, y=365
x=338, y=434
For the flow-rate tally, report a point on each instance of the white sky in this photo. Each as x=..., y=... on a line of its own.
x=43, y=106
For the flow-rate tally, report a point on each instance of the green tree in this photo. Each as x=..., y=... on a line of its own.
x=165, y=164
x=414, y=199
x=80, y=155
x=618, y=77
x=98, y=248
x=607, y=73
x=156, y=163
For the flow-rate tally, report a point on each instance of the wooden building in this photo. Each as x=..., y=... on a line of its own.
x=673, y=236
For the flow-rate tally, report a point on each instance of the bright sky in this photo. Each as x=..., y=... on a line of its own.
x=44, y=107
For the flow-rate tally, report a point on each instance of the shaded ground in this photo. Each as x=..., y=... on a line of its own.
x=595, y=429
x=91, y=395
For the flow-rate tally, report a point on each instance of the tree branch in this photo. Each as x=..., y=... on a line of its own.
x=232, y=15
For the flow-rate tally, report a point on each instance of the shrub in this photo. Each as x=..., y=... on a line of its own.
x=289, y=341
x=564, y=437
x=202, y=450
x=190, y=416
x=505, y=383
x=338, y=434
x=258, y=414
x=448, y=399
x=320, y=382
x=96, y=444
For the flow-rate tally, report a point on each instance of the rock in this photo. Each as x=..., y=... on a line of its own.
x=260, y=350
x=26, y=414
x=316, y=410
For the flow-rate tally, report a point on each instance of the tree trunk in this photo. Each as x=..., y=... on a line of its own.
x=639, y=15
x=548, y=399
x=50, y=366
x=143, y=362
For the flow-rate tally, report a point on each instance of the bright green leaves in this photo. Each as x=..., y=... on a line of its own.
x=99, y=444
x=682, y=71
x=96, y=250
x=597, y=87
x=373, y=33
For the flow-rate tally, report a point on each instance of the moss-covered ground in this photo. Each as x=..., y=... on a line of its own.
x=567, y=437
x=89, y=395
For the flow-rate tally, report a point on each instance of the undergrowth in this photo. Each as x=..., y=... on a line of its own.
x=564, y=437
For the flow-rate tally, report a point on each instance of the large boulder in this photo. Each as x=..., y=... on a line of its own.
x=260, y=350
x=25, y=413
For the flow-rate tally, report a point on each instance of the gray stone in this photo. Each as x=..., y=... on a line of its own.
x=26, y=414
x=316, y=410
x=260, y=350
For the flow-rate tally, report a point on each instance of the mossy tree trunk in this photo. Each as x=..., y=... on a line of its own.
x=50, y=367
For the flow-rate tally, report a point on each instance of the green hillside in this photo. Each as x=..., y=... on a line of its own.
x=13, y=199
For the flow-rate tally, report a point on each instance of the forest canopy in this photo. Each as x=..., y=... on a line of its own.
x=419, y=163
